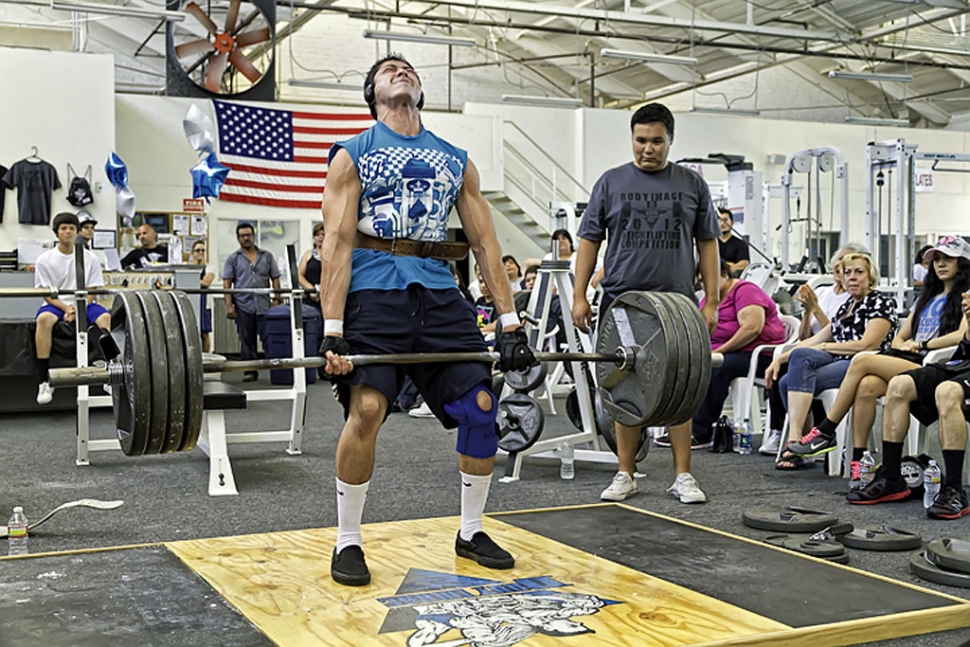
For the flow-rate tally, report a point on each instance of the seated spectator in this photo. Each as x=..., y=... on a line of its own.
x=819, y=306
x=529, y=277
x=514, y=272
x=921, y=267
x=930, y=393
x=863, y=323
x=731, y=248
x=746, y=318
x=461, y=284
x=308, y=270
x=487, y=318
x=935, y=322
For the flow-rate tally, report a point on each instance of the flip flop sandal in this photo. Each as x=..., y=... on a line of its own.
x=794, y=462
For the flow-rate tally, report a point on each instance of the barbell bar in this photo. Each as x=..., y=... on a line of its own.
x=54, y=293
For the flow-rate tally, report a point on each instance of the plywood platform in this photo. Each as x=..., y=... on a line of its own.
x=595, y=575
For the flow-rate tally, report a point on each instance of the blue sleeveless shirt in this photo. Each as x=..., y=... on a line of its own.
x=409, y=185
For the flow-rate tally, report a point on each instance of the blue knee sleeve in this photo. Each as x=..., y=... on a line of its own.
x=476, y=428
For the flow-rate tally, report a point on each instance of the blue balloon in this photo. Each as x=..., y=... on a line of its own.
x=208, y=176
x=116, y=171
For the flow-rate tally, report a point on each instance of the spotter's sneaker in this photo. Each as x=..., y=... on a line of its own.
x=622, y=488
x=45, y=393
x=424, y=411
x=484, y=550
x=349, y=568
x=880, y=490
x=686, y=489
x=950, y=503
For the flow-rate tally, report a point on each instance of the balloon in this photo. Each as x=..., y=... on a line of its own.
x=125, y=202
x=208, y=176
x=199, y=130
x=116, y=171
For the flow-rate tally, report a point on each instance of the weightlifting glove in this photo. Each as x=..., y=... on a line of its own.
x=514, y=352
x=337, y=345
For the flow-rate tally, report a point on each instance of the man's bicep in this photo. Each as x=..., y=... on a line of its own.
x=341, y=196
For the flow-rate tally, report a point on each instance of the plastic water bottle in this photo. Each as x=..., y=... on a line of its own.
x=931, y=483
x=866, y=466
x=735, y=437
x=744, y=441
x=17, y=533
x=567, y=468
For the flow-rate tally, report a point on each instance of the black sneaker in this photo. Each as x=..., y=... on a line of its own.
x=483, y=550
x=349, y=568
x=950, y=503
x=880, y=490
x=696, y=442
x=662, y=441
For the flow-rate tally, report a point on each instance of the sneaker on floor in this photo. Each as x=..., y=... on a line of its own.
x=700, y=443
x=424, y=411
x=45, y=393
x=663, y=440
x=348, y=567
x=686, y=489
x=623, y=487
x=855, y=476
x=770, y=442
x=814, y=443
x=880, y=490
x=950, y=503
x=484, y=550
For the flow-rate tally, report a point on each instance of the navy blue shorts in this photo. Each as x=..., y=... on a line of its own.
x=93, y=311
x=416, y=320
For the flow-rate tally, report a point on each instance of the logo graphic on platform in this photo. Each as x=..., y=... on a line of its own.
x=482, y=612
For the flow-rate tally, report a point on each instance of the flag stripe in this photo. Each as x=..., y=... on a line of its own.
x=269, y=186
x=272, y=202
x=280, y=182
x=312, y=130
x=331, y=116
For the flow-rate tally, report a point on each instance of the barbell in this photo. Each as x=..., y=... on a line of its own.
x=652, y=355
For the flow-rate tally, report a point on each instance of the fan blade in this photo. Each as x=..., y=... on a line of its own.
x=193, y=48
x=243, y=64
x=253, y=37
x=197, y=12
x=213, y=76
x=232, y=15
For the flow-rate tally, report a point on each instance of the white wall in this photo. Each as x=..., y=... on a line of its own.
x=64, y=105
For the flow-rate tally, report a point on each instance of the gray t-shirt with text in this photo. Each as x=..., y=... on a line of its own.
x=650, y=222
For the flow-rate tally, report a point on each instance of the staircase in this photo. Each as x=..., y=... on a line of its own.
x=500, y=202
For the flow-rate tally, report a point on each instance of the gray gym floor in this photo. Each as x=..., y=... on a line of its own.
x=415, y=477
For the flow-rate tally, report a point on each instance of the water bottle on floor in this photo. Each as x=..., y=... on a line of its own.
x=17, y=533
x=735, y=437
x=931, y=483
x=744, y=441
x=867, y=467
x=567, y=468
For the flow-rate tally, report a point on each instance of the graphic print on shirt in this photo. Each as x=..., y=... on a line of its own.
x=408, y=192
x=651, y=220
x=929, y=319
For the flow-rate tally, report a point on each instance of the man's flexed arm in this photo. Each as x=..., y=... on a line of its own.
x=340, y=205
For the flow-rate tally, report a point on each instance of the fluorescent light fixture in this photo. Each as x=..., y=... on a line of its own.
x=554, y=102
x=876, y=121
x=646, y=57
x=419, y=38
x=736, y=112
x=324, y=85
x=871, y=76
x=119, y=10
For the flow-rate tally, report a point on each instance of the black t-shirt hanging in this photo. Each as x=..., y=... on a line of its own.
x=3, y=190
x=34, y=182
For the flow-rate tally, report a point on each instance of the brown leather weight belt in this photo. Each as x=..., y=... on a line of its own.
x=444, y=250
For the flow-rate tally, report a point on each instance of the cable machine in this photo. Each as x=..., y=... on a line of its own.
x=826, y=159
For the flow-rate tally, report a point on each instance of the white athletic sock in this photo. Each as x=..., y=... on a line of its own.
x=474, y=494
x=350, y=508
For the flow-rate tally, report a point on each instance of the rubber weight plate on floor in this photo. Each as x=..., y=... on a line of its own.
x=192, y=353
x=882, y=538
x=922, y=567
x=805, y=545
x=158, y=425
x=175, y=366
x=790, y=519
x=131, y=400
x=951, y=554
x=911, y=470
x=520, y=421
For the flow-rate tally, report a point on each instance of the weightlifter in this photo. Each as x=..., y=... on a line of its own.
x=651, y=213
x=55, y=269
x=387, y=288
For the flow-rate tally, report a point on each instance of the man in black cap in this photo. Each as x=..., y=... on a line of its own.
x=86, y=231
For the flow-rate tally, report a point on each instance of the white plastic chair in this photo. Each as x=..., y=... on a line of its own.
x=744, y=401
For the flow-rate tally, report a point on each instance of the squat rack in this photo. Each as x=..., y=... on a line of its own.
x=826, y=159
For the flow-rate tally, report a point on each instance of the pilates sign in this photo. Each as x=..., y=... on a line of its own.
x=924, y=180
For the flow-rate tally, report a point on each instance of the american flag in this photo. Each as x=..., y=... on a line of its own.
x=279, y=157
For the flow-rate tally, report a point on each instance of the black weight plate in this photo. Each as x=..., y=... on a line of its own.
x=176, y=370
x=632, y=397
x=683, y=405
x=528, y=380
x=921, y=566
x=677, y=376
x=498, y=383
x=605, y=428
x=192, y=349
x=572, y=409
x=912, y=472
x=839, y=559
x=951, y=554
x=520, y=420
x=805, y=545
x=790, y=519
x=883, y=538
x=158, y=427
x=131, y=401
x=699, y=345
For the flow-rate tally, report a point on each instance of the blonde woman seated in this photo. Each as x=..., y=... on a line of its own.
x=863, y=323
x=936, y=322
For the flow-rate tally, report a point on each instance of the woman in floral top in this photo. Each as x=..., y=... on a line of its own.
x=863, y=323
